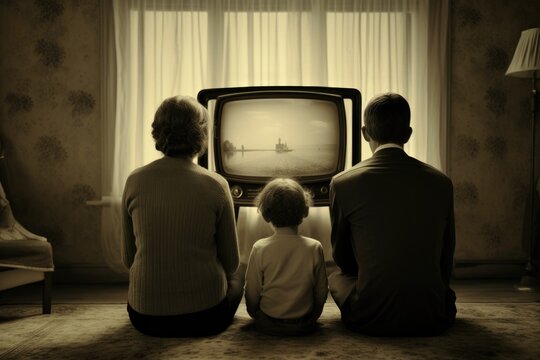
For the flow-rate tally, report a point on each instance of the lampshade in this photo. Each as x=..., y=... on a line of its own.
x=526, y=59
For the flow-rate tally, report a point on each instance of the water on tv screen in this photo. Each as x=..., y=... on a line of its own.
x=274, y=137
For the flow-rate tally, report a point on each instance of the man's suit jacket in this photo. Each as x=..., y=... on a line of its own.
x=393, y=228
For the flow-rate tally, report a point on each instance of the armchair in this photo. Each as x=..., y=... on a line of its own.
x=24, y=257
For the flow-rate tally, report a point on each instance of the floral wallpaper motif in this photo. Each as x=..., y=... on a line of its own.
x=489, y=137
x=49, y=122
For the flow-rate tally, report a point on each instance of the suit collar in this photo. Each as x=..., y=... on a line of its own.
x=388, y=146
x=389, y=151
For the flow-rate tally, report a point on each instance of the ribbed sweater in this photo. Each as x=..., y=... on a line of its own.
x=179, y=237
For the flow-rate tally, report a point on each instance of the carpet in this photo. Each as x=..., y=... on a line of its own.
x=103, y=331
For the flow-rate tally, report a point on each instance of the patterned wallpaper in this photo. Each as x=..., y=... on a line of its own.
x=49, y=121
x=489, y=127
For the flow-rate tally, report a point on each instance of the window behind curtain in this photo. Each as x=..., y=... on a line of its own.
x=182, y=47
x=371, y=54
x=162, y=66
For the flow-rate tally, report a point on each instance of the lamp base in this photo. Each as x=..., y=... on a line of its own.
x=530, y=281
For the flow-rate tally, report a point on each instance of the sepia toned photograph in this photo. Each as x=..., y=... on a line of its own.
x=269, y=179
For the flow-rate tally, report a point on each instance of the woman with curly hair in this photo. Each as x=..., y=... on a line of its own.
x=179, y=233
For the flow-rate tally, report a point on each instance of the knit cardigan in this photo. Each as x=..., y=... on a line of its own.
x=179, y=237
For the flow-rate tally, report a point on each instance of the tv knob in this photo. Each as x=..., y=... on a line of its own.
x=236, y=191
x=324, y=190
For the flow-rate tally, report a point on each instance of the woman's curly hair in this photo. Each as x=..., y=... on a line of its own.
x=284, y=202
x=179, y=127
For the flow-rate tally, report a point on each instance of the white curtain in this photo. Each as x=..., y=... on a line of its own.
x=169, y=47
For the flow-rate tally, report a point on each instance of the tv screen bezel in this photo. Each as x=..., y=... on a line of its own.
x=243, y=192
x=223, y=100
x=204, y=96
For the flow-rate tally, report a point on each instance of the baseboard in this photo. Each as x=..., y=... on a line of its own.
x=88, y=274
x=490, y=269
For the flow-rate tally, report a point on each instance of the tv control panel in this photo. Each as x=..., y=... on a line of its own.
x=244, y=194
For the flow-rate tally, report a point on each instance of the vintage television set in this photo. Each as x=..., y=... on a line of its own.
x=260, y=133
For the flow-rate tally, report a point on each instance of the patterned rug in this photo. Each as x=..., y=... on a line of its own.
x=91, y=331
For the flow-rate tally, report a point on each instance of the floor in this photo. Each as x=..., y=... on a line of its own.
x=468, y=291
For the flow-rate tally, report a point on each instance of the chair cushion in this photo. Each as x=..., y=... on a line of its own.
x=26, y=254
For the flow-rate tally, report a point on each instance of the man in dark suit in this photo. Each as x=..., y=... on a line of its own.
x=393, y=234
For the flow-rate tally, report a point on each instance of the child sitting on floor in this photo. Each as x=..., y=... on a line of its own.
x=286, y=284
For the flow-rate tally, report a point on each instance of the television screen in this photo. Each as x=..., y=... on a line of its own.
x=278, y=137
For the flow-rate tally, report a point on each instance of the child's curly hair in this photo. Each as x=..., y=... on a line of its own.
x=284, y=202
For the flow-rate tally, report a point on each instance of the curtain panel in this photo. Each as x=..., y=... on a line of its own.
x=165, y=48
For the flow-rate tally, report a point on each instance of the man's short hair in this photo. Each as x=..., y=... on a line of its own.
x=387, y=119
x=179, y=127
x=283, y=202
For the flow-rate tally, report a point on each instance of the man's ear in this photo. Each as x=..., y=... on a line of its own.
x=365, y=134
x=306, y=211
x=408, y=136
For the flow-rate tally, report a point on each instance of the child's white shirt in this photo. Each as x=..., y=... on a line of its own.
x=286, y=276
